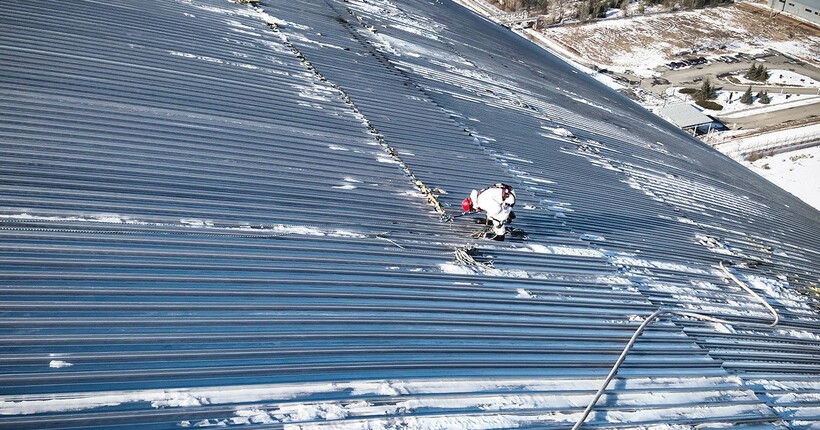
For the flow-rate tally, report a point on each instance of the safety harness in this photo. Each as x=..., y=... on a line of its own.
x=506, y=191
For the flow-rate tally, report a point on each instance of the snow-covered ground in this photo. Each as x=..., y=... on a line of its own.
x=740, y=147
x=797, y=172
x=777, y=102
x=782, y=77
x=640, y=44
x=733, y=108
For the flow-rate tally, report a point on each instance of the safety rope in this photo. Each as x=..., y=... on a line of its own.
x=775, y=316
x=432, y=199
x=145, y=231
x=155, y=228
x=483, y=233
x=615, y=368
x=655, y=315
x=383, y=236
x=464, y=255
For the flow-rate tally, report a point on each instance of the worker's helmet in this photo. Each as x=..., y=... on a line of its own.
x=467, y=205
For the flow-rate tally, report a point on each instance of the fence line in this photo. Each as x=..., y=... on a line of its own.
x=771, y=146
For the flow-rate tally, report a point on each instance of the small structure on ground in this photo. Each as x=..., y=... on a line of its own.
x=685, y=116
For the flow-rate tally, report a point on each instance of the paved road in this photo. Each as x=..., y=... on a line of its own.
x=766, y=119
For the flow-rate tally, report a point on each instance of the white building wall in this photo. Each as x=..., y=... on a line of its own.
x=808, y=10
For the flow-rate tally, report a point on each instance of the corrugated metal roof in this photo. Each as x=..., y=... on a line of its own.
x=684, y=115
x=209, y=221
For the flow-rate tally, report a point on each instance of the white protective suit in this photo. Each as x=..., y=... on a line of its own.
x=498, y=209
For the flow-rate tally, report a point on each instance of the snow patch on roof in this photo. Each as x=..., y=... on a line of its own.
x=311, y=411
x=524, y=294
x=58, y=364
x=559, y=131
x=780, y=291
x=655, y=264
x=32, y=404
x=563, y=250
x=104, y=218
x=539, y=180
x=535, y=403
x=383, y=158
x=193, y=223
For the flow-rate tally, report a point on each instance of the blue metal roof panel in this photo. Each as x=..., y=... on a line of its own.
x=208, y=221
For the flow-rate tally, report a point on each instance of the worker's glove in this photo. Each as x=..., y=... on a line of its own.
x=511, y=217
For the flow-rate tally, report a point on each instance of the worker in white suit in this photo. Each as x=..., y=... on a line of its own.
x=497, y=202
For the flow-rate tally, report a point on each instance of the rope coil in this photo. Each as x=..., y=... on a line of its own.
x=464, y=255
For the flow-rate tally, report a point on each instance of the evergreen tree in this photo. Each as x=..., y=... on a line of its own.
x=537, y=5
x=757, y=72
x=598, y=10
x=762, y=73
x=746, y=98
x=751, y=73
x=583, y=12
x=763, y=97
x=706, y=91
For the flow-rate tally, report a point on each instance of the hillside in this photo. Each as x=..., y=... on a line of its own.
x=641, y=44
